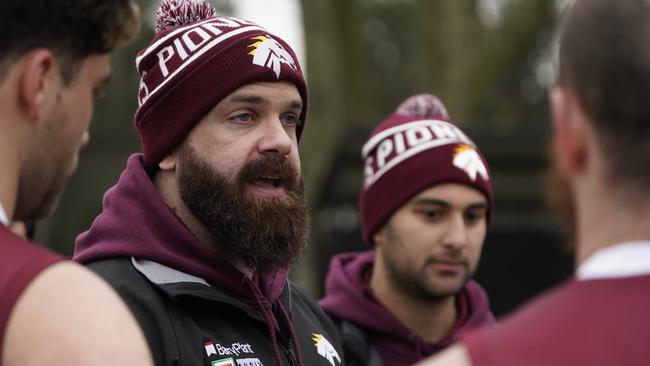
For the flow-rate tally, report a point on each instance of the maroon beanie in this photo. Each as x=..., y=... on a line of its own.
x=194, y=61
x=415, y=148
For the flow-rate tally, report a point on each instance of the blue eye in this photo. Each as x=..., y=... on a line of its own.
x=290, y=120
x=242, y=118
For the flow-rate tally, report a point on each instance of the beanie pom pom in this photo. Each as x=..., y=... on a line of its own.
x=423, y=105
x=174, y=13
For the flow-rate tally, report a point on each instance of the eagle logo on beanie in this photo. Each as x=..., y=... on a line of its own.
x=468, y=160
x=269, y=53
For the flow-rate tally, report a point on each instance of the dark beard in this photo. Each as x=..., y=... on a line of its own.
x=264, y=234
x=413, y=281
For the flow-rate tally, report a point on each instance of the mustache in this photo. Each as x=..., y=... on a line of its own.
x=452, y=257
x=277, y=166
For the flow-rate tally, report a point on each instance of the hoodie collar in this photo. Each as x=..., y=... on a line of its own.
x=347, y=283
x=617, y=261
x=136, y=222
x=160, y=274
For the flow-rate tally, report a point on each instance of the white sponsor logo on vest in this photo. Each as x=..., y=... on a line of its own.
x=209, y=348
x=249, y=362
x=325, y=349
x=235, y=349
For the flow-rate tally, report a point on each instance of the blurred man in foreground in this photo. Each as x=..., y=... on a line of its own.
x=601, y=120
x=53, y=56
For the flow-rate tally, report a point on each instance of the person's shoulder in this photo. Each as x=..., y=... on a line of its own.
x=567, y=314
x=71, y=317
x=18, y=252
x=117, y=271
x=145, y=299
x=127, y=280
x=21, y=261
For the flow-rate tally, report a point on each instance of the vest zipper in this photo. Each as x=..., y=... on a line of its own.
x=289, y=354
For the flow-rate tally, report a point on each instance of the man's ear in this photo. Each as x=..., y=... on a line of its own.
x=168, y=163
x=379, y=236
x=40, y=82
x=570, y=131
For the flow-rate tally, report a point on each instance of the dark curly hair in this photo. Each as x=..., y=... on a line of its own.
x=72, y=29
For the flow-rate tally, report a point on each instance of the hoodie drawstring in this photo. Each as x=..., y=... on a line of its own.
x=269, y=320
x=292, y=333
x=417, y=345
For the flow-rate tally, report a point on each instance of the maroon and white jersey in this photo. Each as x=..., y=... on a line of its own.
x=600, y=318
x=20, y=262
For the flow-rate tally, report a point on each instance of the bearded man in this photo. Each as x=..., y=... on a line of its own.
x=202, y=228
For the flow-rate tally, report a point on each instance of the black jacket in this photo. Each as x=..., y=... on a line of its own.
x=357, y=348
x=188, y=322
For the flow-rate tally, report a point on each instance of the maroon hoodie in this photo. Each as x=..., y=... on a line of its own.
x=349, y=297
x=136, y=222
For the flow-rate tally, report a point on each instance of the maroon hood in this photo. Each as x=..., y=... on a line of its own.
x=136, y=222
x=349, y=297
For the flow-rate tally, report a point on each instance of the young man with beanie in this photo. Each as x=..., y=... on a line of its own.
x=53, y=56
x=601, y=137
x=201, y=230
x=425, y=207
